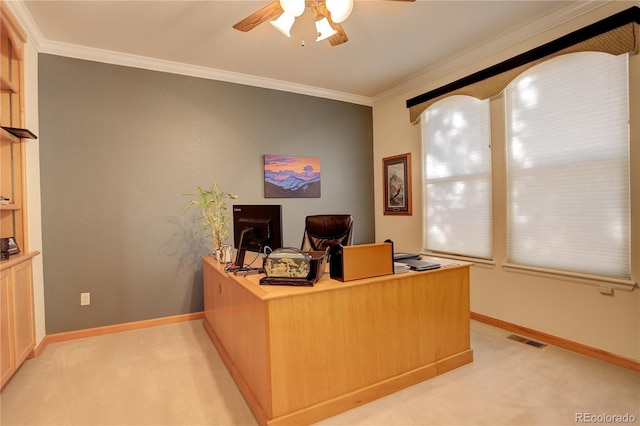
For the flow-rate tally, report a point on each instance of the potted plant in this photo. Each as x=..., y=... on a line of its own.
x=212, y=203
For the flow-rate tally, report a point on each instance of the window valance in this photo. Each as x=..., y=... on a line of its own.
x=615, y=35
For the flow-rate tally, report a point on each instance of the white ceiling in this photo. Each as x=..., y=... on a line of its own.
x=390, y=42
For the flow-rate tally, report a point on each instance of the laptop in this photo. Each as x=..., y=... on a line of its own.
x=420, y=265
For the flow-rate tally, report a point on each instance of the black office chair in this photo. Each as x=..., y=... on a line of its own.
x=327, y=230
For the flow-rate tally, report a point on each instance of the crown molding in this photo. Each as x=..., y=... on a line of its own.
x=134, y=61
x=23, y=16
x=478, y=53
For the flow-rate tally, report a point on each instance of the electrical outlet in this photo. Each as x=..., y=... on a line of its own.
x=85, y=299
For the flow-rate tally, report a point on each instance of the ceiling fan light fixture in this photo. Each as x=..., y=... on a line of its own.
x=284, y=23
x=339, y=9
x=294, y=8
x=324, y=29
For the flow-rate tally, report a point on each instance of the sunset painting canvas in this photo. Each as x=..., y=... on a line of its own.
x=291, y=177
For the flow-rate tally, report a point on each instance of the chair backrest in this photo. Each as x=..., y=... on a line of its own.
x=327, y=230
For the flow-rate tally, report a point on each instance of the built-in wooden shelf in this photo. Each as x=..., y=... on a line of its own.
x=16, y=259
x=10, y=207
x=17, y=322
x=19, y=132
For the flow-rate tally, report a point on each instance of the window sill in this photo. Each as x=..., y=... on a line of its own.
x=487, y=263
x=605, y=284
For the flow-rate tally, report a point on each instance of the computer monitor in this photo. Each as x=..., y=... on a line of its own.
x=256, y=226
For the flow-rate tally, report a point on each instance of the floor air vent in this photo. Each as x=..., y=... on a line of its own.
x=526, y=341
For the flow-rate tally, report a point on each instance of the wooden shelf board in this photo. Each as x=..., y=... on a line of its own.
x=10, y=207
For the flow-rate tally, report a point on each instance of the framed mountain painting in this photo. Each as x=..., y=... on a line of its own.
x=291, y=177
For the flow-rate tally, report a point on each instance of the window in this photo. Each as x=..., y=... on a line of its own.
x=568, y=165
x=457, y=177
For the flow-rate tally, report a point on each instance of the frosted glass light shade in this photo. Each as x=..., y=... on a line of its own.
x=293, y=7
x=324, y=29
x=340, y=9
x=284, y=23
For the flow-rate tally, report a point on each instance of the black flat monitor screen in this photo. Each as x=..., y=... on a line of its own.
x=256, y=226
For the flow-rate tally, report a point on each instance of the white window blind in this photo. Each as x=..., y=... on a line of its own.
x=456, y=139
x=568, y=165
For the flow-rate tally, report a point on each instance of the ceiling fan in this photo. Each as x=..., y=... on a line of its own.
x=328, y=15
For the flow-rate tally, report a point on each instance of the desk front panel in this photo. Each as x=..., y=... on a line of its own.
x=452, y=313
x=302, y=354
x=328, y=344
x=238, y=320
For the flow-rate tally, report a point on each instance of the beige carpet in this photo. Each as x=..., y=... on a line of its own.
x=172, y=375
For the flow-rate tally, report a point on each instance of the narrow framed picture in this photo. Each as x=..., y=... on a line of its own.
x=397, y=184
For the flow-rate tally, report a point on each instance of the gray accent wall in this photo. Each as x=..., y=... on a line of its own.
x=120, y=146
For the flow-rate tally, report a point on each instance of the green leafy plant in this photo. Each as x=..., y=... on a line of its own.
x=212, y=203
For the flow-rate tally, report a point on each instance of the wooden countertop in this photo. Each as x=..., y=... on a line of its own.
x=17, y=259
x=325, y=283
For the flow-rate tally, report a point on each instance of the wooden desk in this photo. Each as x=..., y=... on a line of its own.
x=301, y=354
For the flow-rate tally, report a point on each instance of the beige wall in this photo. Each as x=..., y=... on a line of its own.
x=570, y=310
x=33, y=184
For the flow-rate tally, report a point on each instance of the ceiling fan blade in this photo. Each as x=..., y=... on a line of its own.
x=260, y=16
x=341, y=36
